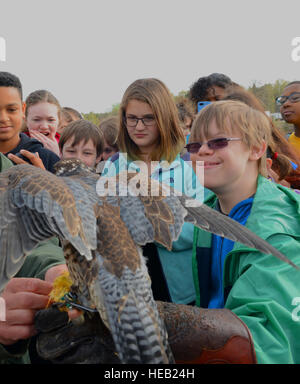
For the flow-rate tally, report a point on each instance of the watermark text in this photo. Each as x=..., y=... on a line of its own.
x=296, y=311
x=2, y=49
x=295, y=55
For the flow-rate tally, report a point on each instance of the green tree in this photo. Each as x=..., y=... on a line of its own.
x=268, y=92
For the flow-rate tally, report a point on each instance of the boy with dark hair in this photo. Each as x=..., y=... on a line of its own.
x=26, y=293
x=12, y=110
x=82, y=140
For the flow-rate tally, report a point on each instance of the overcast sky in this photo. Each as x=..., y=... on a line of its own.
x=87, y=52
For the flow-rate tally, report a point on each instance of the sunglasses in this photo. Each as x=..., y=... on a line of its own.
x=218, y=143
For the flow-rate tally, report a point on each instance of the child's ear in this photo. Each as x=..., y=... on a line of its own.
x=23, y=109
x=257, y=151
x=269, y=163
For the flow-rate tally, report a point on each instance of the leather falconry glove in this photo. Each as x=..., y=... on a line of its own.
x=206, y=336
x=196, y=336
x=66, y=342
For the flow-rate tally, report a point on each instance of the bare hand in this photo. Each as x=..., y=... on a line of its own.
x=23, y=297
x=34, y=158
x=55, y=271
x=48, y=142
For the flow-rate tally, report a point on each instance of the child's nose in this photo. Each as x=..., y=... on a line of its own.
x=286, y=103
x=204, y=149
x=3, y=116
x=43, y=125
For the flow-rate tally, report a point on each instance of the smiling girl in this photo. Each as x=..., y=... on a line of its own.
x=150, y=136
x=42, y=116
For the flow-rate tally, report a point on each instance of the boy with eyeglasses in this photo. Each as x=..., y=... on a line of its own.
x=231, y=139
x=289, y=103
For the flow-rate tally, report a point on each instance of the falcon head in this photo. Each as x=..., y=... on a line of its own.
x=71, y=167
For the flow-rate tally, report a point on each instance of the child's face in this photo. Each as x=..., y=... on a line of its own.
x=224, y=168
x=11, y=114
x=62, y=125
x=145, y=137
x=291, y=111
x=108, y=151
x=43, y=117
x=86, y=152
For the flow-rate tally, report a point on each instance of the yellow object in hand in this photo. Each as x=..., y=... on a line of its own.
x=61, y=286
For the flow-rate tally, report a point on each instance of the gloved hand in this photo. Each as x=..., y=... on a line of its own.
x=63, y=342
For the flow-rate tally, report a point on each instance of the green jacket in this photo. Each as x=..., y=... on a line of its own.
x=46, y=255
x=259, y=288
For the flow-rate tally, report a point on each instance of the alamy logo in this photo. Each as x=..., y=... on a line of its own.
x=2, y=49
x=2, y=309
x=295, y=312
x=296, y=51
x=134, y=181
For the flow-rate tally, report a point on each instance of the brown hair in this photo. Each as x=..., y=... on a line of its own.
x=110, y=129
x=229, y=116
x=42, y=96
x=82, y=130
x=156, y=94
x=185, y=109
x=70, y=114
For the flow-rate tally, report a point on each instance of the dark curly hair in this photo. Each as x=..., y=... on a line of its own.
x=198, y=90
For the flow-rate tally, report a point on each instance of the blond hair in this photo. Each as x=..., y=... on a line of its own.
x=235, y=116
x=156, y=94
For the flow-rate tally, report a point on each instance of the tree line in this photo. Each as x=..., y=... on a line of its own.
x=266, y=93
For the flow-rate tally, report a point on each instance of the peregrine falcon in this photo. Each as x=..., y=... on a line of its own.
x=102, y=238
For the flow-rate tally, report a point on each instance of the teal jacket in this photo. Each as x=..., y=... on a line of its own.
x=46, y=255
x=262, y=290
x=177, y=263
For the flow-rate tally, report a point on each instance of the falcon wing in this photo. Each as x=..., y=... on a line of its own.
x=212, y=221
x=122, y=293
x=163, y=214
x=36, y=205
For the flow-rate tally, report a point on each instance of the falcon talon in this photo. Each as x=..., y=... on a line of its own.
x=82, y=307
x=70, y=303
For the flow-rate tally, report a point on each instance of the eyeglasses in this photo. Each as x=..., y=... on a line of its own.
x=293, y=97
x=132, y=121
x=218, y=143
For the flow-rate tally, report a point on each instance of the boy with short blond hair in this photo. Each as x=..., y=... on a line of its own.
x=231, y=139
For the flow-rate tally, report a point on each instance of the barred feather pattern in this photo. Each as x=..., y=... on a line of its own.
x=138, y=332
x=102, y=238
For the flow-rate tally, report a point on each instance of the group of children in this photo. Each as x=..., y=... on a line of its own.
x=234, y=140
